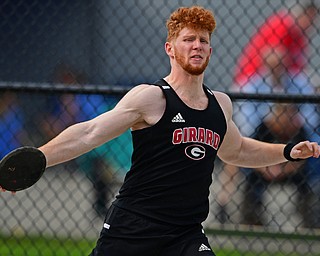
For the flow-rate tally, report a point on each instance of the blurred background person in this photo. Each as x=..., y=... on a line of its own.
x=285, y=31
x=274, y=61
x=67, y=109
x=98, y=164
x=281, y=124
x=104, y=166
x=283, y=37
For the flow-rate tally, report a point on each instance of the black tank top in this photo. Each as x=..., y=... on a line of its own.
x=173, y=161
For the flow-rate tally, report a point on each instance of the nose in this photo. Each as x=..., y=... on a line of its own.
x=197, y=44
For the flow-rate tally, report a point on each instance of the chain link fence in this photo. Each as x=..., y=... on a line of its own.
x=67, y=61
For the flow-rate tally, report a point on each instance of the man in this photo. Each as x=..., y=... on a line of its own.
x=178, y=128
x=274, y=61
x=280, y=43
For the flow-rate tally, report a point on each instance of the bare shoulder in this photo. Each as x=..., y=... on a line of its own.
x=225, y=103
x=147, y=101
x=146, y=91
x=144, y=96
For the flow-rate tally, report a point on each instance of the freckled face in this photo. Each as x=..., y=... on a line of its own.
x=192, y=50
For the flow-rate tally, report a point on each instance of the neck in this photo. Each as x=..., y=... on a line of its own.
x=185, y=80
x=189, y=89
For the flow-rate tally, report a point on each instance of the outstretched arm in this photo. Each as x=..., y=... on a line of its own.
x=246, y=152
x=132, y=111
x=83, y=137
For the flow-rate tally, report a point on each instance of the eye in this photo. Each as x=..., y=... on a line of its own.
x=202, y=40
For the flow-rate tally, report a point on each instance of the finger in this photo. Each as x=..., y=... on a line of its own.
x=296, y=153
x=316, y=150
x=309, y=145
x=313, y=149
x=4, y=190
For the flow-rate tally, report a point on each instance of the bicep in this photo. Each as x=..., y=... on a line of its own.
x=113, y=123
x=131, y=111
x=232, y=141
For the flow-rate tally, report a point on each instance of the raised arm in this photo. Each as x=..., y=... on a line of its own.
x=246, y=152
x=130, y=112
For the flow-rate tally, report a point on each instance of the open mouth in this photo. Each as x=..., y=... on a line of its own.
x=196, y=57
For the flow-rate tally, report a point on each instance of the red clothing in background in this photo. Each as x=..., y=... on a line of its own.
x=279, y=30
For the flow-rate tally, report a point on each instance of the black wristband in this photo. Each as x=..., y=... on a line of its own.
x=287, y=150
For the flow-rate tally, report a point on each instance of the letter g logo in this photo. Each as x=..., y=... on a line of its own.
x=195, y=152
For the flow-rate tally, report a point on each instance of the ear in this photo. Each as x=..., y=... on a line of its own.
x=169, y=49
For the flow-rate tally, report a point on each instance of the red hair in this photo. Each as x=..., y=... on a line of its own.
x=195, y=17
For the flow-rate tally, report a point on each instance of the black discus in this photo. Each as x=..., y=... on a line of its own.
x=21, y=168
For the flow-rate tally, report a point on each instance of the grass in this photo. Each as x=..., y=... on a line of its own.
x=42, y=246
x=46, y=246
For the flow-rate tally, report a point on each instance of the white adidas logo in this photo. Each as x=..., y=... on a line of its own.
x=178, y=119
x=203, y=247
x=106, y=225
